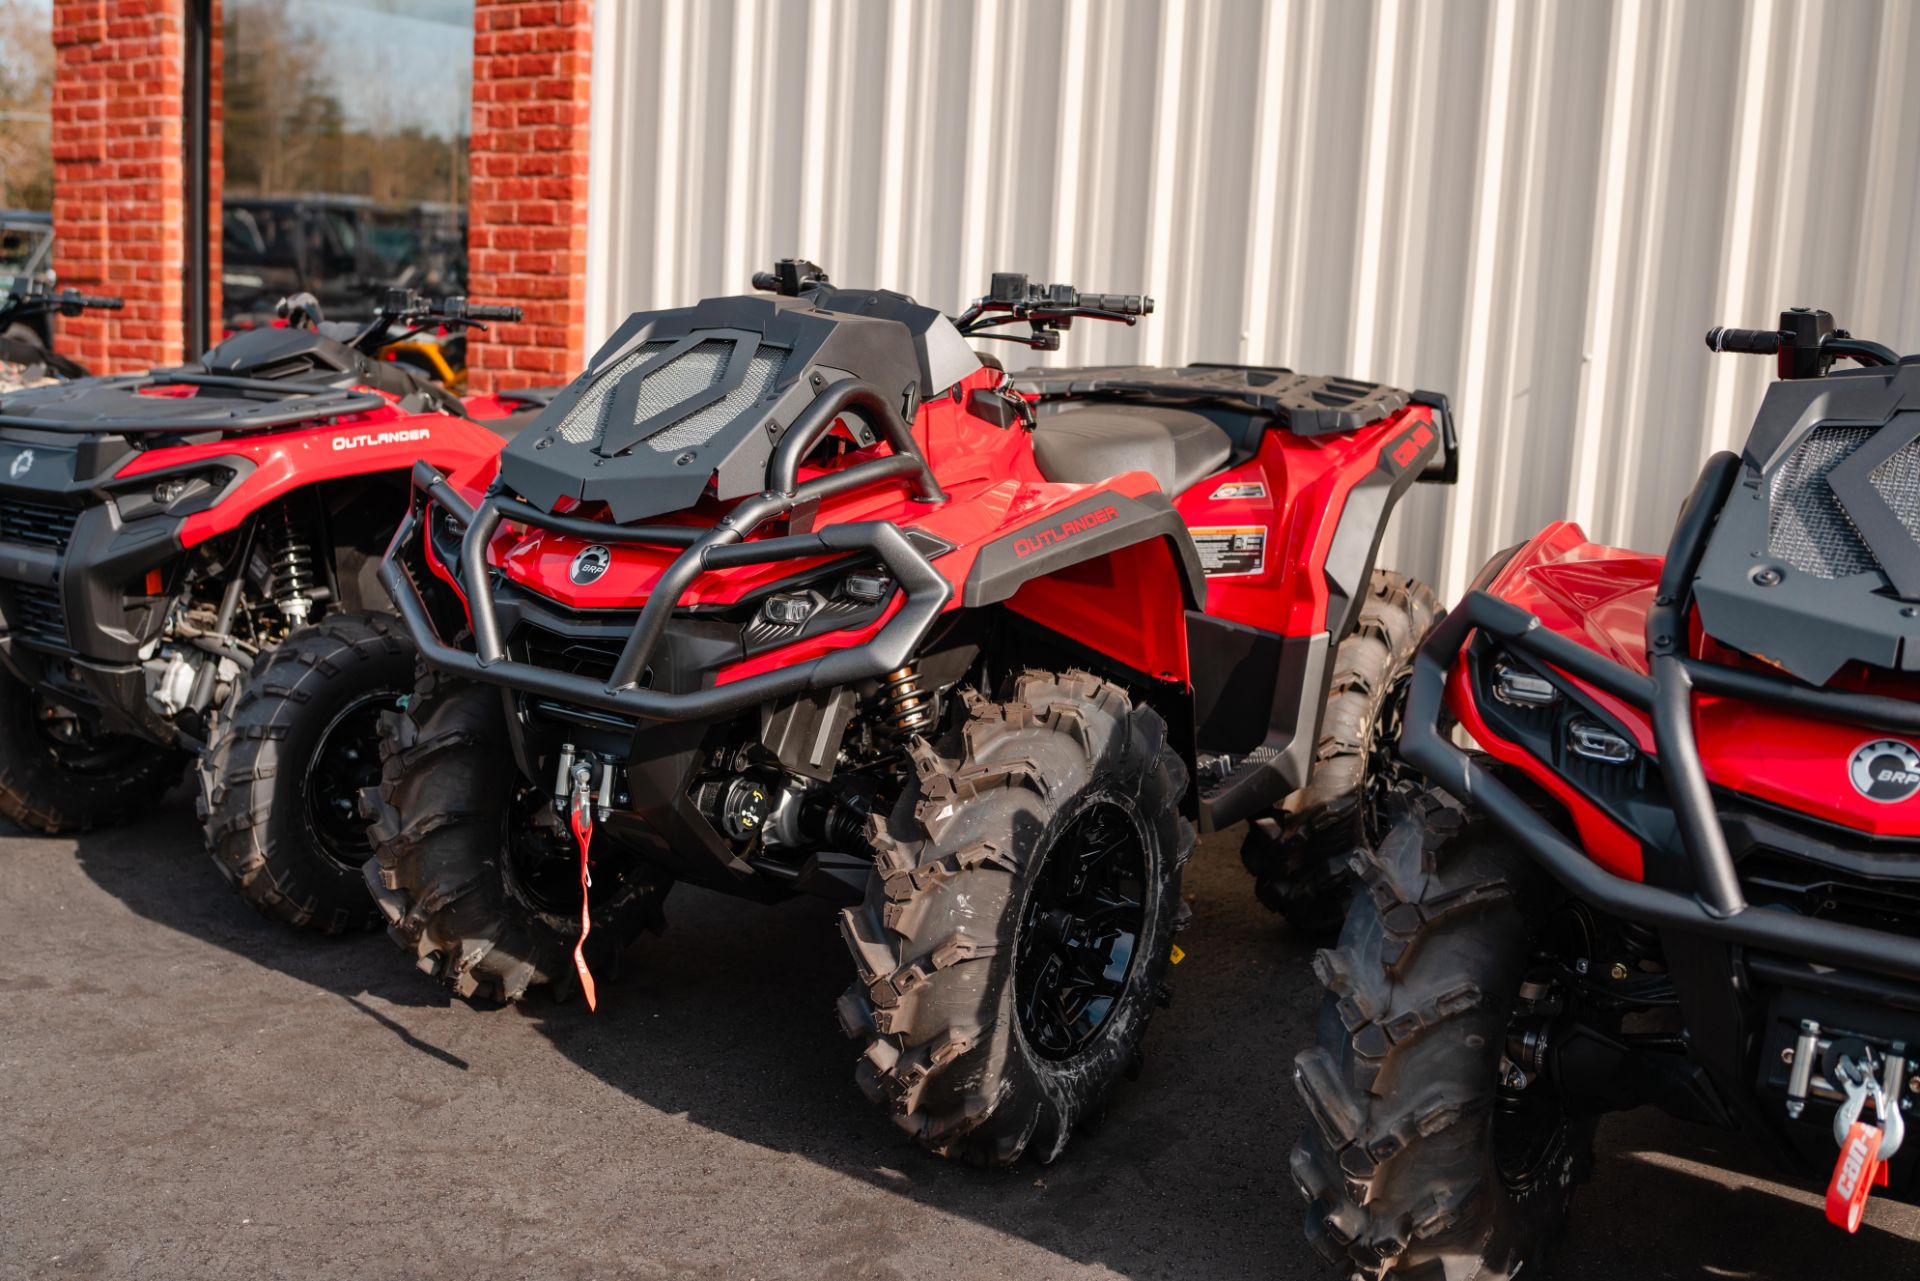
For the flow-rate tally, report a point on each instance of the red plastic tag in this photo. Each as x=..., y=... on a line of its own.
x=1858, y=1171
x=583, y=833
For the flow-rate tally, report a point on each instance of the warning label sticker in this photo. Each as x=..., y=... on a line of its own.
x=1239, y=489
x=1230, y=550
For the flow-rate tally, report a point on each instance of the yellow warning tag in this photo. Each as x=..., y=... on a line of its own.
x=1176, y=955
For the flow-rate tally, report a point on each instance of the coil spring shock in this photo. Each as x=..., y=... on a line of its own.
x=291, y=565
x=909, y=709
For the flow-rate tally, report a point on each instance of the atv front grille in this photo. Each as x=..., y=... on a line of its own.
x=1806, y=525
x=36, y=616
x=36, y=524
x=575, y=655
x=762, y=370
x=665, y=384
x=587, y=420
x=1898, y=480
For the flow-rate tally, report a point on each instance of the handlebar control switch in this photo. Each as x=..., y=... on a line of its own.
x=1802, y=331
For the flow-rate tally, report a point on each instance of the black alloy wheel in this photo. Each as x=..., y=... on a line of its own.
x=1080, y=930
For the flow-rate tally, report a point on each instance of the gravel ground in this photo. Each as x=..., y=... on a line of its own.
x=187, y=1091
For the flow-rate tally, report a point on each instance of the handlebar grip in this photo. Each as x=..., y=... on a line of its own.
x=1759, y=342
x=1123, y=304
x=767, y=281
x=493, y=311
x=100, y=302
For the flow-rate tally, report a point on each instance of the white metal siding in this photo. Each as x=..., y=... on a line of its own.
x=1536, y=207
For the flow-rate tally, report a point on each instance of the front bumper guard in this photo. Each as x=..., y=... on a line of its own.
x=720, y=546
x=1717, y=908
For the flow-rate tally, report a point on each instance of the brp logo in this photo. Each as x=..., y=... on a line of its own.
x=1885, y=770
x=590, y=564
x=21, y=462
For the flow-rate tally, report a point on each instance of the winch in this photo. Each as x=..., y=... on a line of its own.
x=1836, y=1065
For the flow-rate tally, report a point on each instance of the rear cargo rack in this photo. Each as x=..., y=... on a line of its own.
x=110, y=404
x=1306, y=405
x=1718, y=907
x=718, y=546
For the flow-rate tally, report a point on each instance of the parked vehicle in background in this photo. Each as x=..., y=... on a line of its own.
x=187, y=565
x=800, y=595
x=26, y=263
x=344, y=250
x=25, y=314
x=1682, y=867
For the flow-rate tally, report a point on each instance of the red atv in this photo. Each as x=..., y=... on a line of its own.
x=1687, y=872
x=188, y=564
x=798, y=595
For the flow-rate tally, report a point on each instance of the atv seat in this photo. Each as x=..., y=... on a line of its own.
x=533, y=400
x=1084, y=443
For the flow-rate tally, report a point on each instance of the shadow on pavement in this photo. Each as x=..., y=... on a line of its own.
x=728, y=1019
x=161, y=871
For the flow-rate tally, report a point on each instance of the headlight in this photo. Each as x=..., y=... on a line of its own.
x=1590, y=740
x=177, y=494
x=868, y=589
x=1518, y=687
x=790, y=609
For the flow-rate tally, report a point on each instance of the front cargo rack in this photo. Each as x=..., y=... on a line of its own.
x=719, y=546
x=101, y=405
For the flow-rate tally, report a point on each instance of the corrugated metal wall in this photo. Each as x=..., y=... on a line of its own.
x=1536, y=207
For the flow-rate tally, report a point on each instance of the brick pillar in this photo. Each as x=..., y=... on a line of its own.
x=216, y=169
x=117, y=176
x=527, y=214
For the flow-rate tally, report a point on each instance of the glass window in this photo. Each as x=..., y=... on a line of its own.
x=345, y=144
x=26, y=138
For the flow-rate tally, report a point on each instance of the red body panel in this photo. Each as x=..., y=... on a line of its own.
x=1598, y=597
x=995, y=490
x=1303, y=485
x=1097, y=603
x=382, y=440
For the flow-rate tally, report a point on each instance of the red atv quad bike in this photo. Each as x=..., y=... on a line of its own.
x=27, y=357
x=1687, y=870
x=796, y=595
x=188, y=563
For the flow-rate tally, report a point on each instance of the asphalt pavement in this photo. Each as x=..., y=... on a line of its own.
x=188, y=1091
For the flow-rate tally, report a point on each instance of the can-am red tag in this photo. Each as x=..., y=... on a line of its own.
x=1855, y=1175
x=583, y=833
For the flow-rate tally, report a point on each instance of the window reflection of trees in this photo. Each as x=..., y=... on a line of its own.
x=345, y=143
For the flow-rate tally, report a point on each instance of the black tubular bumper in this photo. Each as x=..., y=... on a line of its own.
x=1717, y=908
x=718, y=547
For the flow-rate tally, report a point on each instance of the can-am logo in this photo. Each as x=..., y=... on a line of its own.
x=362, y=439
x=22, y=461
x=590, y=564
x=1027, y=544
x=1885, y=770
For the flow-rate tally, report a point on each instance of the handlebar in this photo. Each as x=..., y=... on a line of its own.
x=39, y=296
x=1011, y=299
x=791, y=277
x=1806, y=344
x=411, y=304
x=1046, y=310
x=402, y=313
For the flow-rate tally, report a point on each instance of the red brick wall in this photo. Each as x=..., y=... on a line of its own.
x=118, y=199
x=527, y=215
